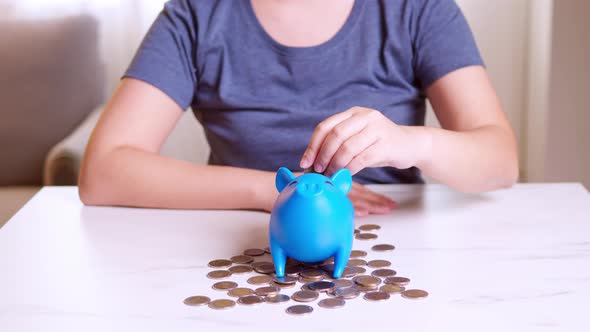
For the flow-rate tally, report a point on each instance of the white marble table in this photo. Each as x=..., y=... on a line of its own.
x=512, y=260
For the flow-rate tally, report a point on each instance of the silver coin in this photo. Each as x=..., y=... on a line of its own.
x=332, y=303
x=197, y=300
x=414, y=294
x=267, y=291
x=278, y=298
x=352, y=271
x=254, y=252
x=362, y=288
x=392, y=289
x=250, y=300
x=293, y=270
x=240, y=291
x=378, y=263
x=345, y=293
x=259, y=280
x=305, y=296
x=402, y=281
x=299, y=310
x=240, y=269
x=221, y=304
x=220, y=263
x=321, y=286
x=312, y=275
x=242, y=259
x=218, y=274
x=225, y=285
x=365, y=236
x=342, y=283
x=356, y=262
x=383, y=247
x=383, y=273
x=369, y=227
x=264, y=268
x=367, y=280
x=376, y=296
x=358, y=253
x=282, y=286
x=286, y=280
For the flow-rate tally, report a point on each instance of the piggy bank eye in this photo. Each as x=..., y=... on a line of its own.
x=329, y=183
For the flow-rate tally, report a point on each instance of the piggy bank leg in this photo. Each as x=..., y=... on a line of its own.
x=340, y=260
x=279, y=258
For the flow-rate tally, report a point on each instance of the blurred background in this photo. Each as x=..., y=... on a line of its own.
x=61, y=59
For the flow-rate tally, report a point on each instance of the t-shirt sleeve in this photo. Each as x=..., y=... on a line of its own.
x=166, y=57
x=442, y=40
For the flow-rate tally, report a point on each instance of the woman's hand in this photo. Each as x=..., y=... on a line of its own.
x=362, y=137
x=366, y=201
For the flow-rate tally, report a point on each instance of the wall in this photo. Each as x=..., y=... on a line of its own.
x=567, y=156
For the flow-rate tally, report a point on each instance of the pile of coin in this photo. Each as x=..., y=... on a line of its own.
x=315, y=279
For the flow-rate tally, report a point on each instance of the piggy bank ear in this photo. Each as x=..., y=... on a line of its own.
x=342, y=180
x=284, y=176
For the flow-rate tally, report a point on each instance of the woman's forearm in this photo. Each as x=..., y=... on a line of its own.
x=479, y=160
x=127, y=176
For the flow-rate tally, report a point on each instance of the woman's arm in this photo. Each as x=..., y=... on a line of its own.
x=474, y=152
x=122, y=165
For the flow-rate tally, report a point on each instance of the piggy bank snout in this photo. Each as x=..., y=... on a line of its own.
x=308, y=189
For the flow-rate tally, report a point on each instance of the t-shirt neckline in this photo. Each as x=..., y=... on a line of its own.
x=304, y=51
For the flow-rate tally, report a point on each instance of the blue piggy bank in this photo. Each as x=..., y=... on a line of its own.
x=312, y=219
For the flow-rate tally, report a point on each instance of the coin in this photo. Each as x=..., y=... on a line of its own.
x=342, y=283
x=345, y=293
x=383, y=247
x=282, y=286
x=358, y=253
x=392, y=289
x=293, y=270
x=376, y=296
x=221, y=304
x=365, y=236
x=378, y=263
x=312, y=275
x=414, y=294
x=242, y=259
x=299, y=310
x=383, y=273
x=367, y=280
x=218, y=274
x=239, y=292
x=321, y=286
x=351, y=271
x=362, y=288
x=254, y=252
x=278, y=298
x=267, y=291
x=197, y=300
x=397, y=281
x=264, y=268
x=220, y=263
x=305, y=296
x=250, y=300
x=286, y=280
x=369, y=227
x=332, y=303
x=240, y=269
x=356, y=231
x=259, y=280
x=306, y=286
x=356, y=262
x=224, y=285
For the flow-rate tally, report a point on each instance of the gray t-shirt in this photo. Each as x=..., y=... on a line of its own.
x=259, y=101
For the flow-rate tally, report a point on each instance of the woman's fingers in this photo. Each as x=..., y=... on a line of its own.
x=366, y=201
x=354, y=146
x=341, y=133
x=318, y=137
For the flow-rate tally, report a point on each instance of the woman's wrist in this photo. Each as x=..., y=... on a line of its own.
x=421, y=148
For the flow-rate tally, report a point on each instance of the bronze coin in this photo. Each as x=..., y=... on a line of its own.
x=218, y=274
x=197, y=300
x=254, y=252
x=242, y=259
x=220, y=263
x=378, y=263
x=240, y=269
x=383, y=273
x=414, y=294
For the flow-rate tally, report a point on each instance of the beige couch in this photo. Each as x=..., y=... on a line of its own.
x=51, y=79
